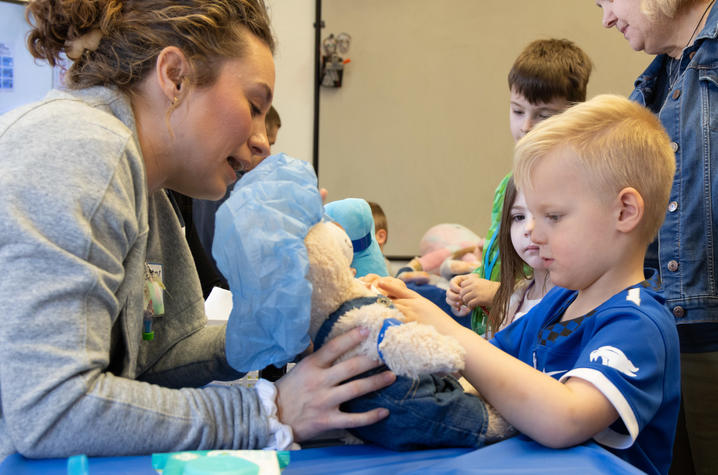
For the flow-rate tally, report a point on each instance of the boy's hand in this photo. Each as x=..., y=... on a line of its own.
x=369, y=280
x=414, y=306
x=476, y=291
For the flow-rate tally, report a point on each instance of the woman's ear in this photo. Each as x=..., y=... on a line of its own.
x=630, y=208
x=172, y=70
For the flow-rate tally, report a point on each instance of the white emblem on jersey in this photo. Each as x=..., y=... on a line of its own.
x=634, y=295
x=614, y=358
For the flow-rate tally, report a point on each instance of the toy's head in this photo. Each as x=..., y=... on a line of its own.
x=354, y=215
x=259, y=248
x=330, y=255
x=288, y=268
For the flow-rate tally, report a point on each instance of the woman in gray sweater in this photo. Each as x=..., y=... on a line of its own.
x=104, y=344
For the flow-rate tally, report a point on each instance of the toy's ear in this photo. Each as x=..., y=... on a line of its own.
x=341, y=239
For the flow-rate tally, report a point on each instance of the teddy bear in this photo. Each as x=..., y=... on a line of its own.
x=428, y=407
x=340, y=302
x=314, y=296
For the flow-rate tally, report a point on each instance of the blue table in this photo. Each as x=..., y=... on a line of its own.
x=513, y=456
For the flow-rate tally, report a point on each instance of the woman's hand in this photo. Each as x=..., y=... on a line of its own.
x=476, y=291
x=310, y=394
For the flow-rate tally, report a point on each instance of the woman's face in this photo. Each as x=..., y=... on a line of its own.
x=642, y=32
x=220, y=129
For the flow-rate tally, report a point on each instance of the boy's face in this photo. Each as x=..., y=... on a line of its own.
x=523, y=115
x=572, y=226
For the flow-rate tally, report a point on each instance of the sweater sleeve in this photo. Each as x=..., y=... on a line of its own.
x=73, y=235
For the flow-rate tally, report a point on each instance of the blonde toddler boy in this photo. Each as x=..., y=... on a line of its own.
x=598, y=357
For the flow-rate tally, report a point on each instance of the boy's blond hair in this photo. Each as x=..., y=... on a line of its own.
x=617, y=142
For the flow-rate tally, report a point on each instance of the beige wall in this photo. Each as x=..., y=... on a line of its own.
x=421, y=122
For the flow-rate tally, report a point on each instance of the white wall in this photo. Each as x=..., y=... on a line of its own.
x=292, y=21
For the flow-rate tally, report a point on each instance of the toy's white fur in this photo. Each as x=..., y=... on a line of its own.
x=410, y=349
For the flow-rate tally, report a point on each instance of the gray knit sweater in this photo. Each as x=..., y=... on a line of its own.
x=76, y=228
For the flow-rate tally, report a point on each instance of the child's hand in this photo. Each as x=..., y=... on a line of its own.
x=414, y=306
x=476, y=291
x=393, y=282
x=369, y=280
x=453, y=297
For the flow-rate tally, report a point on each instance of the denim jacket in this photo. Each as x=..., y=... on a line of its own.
x=687, y=244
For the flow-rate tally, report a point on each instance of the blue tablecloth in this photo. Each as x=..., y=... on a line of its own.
x=513, y=456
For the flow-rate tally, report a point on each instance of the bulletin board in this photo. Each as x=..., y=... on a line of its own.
x=22, y=78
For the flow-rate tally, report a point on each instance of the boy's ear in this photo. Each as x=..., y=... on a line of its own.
x=172, y=70
x=380, y=235
x=630, y=208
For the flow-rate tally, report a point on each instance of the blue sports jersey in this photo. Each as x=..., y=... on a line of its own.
x=627, y=348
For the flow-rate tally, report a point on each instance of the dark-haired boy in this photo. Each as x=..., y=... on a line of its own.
x=547, y=77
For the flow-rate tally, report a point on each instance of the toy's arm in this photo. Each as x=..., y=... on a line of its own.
x=408, y=349
x=411, y=349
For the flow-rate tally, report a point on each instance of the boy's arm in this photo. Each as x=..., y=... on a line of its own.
x=552, y=413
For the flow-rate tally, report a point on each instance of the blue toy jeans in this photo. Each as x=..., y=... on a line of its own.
x=429, y=412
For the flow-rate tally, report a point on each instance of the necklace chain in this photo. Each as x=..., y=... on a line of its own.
x=674, y=65
x=695, y=30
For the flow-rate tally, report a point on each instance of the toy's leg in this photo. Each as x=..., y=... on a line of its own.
x=429, y=411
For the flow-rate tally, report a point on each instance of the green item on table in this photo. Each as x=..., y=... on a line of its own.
x=220, y=462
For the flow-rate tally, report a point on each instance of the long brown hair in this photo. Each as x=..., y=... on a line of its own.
x=513, y=267
x=134, y=32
